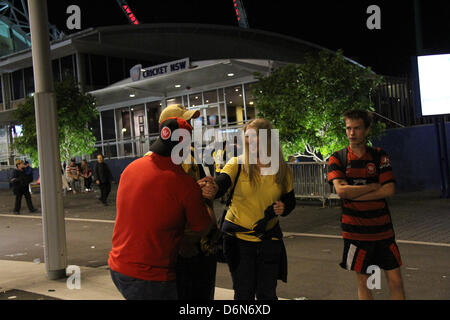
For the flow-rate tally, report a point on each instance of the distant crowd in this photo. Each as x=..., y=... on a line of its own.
x=76, y=177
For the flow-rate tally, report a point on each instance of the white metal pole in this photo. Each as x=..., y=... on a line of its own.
x=48, y=146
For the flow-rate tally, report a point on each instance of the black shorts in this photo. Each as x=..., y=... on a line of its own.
x=359, y=255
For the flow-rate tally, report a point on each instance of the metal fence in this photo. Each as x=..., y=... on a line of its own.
x=395, y=100
x=311, y=181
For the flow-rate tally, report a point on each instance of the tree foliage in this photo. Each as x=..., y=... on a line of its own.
x=306, y=102
x=74, y=111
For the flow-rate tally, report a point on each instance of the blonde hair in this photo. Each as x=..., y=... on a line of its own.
x=252, y=170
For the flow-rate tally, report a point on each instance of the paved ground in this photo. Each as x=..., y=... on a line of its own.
x=421, y=220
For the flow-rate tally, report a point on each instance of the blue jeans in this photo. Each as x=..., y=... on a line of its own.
x=138, y=289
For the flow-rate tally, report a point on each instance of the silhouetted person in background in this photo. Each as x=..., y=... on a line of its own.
x=103, y=178
x=20, y=182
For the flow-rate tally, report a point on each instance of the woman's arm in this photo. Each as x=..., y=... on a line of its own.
x=223, y=181
x=285, y=205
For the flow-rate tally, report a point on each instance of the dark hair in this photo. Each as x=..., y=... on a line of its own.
x=364, y=115
x=100, y=155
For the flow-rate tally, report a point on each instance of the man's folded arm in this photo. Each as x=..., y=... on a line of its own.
x=346, y=191
x=387, y=190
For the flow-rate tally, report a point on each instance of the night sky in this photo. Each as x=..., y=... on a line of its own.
x=331, y=24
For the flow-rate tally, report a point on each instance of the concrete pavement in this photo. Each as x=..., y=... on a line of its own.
x=27, y=280
x=421, y=221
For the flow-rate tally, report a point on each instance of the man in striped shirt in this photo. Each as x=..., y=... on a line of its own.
x=363, y=179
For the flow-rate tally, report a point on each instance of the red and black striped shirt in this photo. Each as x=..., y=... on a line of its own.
x=364, y=220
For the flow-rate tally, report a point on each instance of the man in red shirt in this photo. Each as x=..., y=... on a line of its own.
x=363, y=179
x=155, y=200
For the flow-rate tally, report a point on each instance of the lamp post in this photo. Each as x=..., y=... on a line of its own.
x=48, y=145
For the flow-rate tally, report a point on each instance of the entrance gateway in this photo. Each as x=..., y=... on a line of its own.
x=220, y=89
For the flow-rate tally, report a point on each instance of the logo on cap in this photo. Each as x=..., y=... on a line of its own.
x=165, y=133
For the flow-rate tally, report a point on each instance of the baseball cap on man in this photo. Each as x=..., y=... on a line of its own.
x=178, y=111
x=164, y=144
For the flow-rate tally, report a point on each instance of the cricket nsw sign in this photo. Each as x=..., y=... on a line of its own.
x=137, y=73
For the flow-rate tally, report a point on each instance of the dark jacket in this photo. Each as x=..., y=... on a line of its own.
x=20, y=181
x=102, y=173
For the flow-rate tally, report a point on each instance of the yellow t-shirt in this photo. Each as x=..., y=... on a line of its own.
x=249, y=203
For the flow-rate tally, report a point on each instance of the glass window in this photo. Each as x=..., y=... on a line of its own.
x=108, y=126
x=185, y=100
x=56, y=71
x=153, y=117
x=212, y=116
x=137, y=120
x=94, y=126
x=116, y=72
x=223, y=115
x=249, y=101
x=110, y=150
x=195, y=100
x=29, y=81
x=123, y=123
x=235, y=104
x=210, y=96
x=17, y=84
x=67, y=70
x=87, y=69
x=221, y=95
x=173, y=101
x=99, y=71
x=125, y=147
x=231, y=114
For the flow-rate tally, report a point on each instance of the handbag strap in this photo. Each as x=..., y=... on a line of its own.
x=230, y=197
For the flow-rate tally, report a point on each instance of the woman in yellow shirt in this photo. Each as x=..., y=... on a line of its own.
x=253, y=245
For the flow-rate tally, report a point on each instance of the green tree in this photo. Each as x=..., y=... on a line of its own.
x=74, y=111
x=306, y=102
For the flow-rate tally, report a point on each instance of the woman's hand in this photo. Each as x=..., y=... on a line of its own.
x=278, y=208
x=209, y=187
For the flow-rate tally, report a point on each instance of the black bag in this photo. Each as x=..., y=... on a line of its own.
x=220, y=257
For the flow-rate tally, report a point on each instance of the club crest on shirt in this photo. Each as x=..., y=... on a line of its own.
x=385, y=162
x=371, y=169
x=165, y=133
